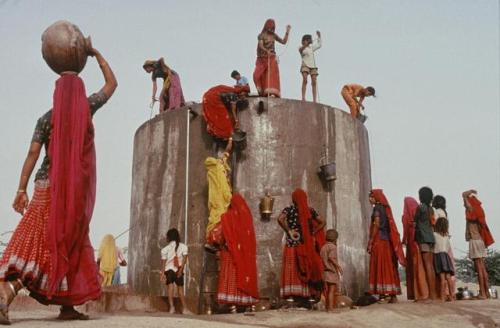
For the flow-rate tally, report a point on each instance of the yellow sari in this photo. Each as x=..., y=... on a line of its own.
x=219, y=190
x=108, y=259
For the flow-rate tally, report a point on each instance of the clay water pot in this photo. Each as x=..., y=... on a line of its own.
x=64, y=47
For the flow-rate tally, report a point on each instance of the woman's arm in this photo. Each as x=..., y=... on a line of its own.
x=373, y=232
x=261, y=47
x=21, y=199
x=321, y=224
x=465, y=196
x=110, y=82
x=181, y=268
x=285, y=39
x=282, y=222
x=155, y=89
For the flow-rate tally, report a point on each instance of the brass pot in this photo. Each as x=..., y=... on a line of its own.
x=266, y=206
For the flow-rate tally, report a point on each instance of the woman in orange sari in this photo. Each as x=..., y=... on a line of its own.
x=385, y=249
x=266, y=75
x=416, y=284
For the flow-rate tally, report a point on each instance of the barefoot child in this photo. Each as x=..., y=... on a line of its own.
x=442, y=261
x=174, y=258
x=332, y=268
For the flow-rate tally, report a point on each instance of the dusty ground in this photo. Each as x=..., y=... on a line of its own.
x=460, y=314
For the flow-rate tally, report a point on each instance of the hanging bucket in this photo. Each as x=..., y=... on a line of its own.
x=329, y=171
x=266, y=206
x=239, y=136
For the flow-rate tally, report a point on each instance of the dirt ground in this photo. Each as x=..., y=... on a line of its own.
x=459, y=314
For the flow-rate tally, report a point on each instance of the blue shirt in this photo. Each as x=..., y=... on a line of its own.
x=243, y=81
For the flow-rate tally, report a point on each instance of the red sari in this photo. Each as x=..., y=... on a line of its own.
x=50, y=249
x=416, y=283
x=215, y=112
x=238, y=266
x=477, y=214
x=266, y=75
x=385, y=254
x=302, y=267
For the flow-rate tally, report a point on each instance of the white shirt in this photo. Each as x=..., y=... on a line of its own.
x=439, y=213
x=442, y=244
x=168, y=253
x=308, y=54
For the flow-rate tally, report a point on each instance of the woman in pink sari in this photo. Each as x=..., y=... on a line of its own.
x=50, y=252
x=416, y=284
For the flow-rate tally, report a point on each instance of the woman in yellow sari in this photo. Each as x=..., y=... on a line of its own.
x=219, y=194
x=107, y=259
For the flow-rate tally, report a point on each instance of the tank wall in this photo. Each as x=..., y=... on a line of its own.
x=284, y=148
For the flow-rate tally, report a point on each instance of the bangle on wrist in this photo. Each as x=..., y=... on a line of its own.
x=21, y=191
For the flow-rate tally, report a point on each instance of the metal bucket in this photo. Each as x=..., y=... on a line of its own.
x=266, y=206
x=329, y=171
x=239, y=136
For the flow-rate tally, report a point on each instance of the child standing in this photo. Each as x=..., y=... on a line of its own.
x=174, y=258
x=308, y=66
x=332, y=272
x=442, y=261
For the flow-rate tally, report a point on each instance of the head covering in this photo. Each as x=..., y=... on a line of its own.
x=269, y=25
x=477, y=214
x=107, y=254
x=239, y=233
x=72, y=179
x=380, y=198
x=308, y=259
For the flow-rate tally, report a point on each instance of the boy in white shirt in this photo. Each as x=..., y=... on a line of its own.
x=308, y=66
x=173, y=260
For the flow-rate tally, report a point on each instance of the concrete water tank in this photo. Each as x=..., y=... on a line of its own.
x=284, y=147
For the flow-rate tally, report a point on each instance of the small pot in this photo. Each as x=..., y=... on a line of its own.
x=266, y=206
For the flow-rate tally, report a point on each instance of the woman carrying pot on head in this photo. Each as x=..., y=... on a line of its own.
x=302, y=267
x=50, y=251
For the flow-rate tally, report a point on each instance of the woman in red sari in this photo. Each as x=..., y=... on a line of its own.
x=416, y=284
x=385, y=249
x=266, y=75
x=50, y=252
x=302, y=267
x=217, y=102
x=238, y=266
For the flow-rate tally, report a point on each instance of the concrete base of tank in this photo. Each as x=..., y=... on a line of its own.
x=284, y=147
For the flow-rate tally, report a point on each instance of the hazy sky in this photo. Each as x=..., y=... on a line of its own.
x=434, y=64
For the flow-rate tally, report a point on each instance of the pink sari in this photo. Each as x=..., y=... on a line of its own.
x=72, y=177
x=175, y=94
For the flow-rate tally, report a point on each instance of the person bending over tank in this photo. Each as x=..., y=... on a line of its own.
x=354, y=95
x=171, y=95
